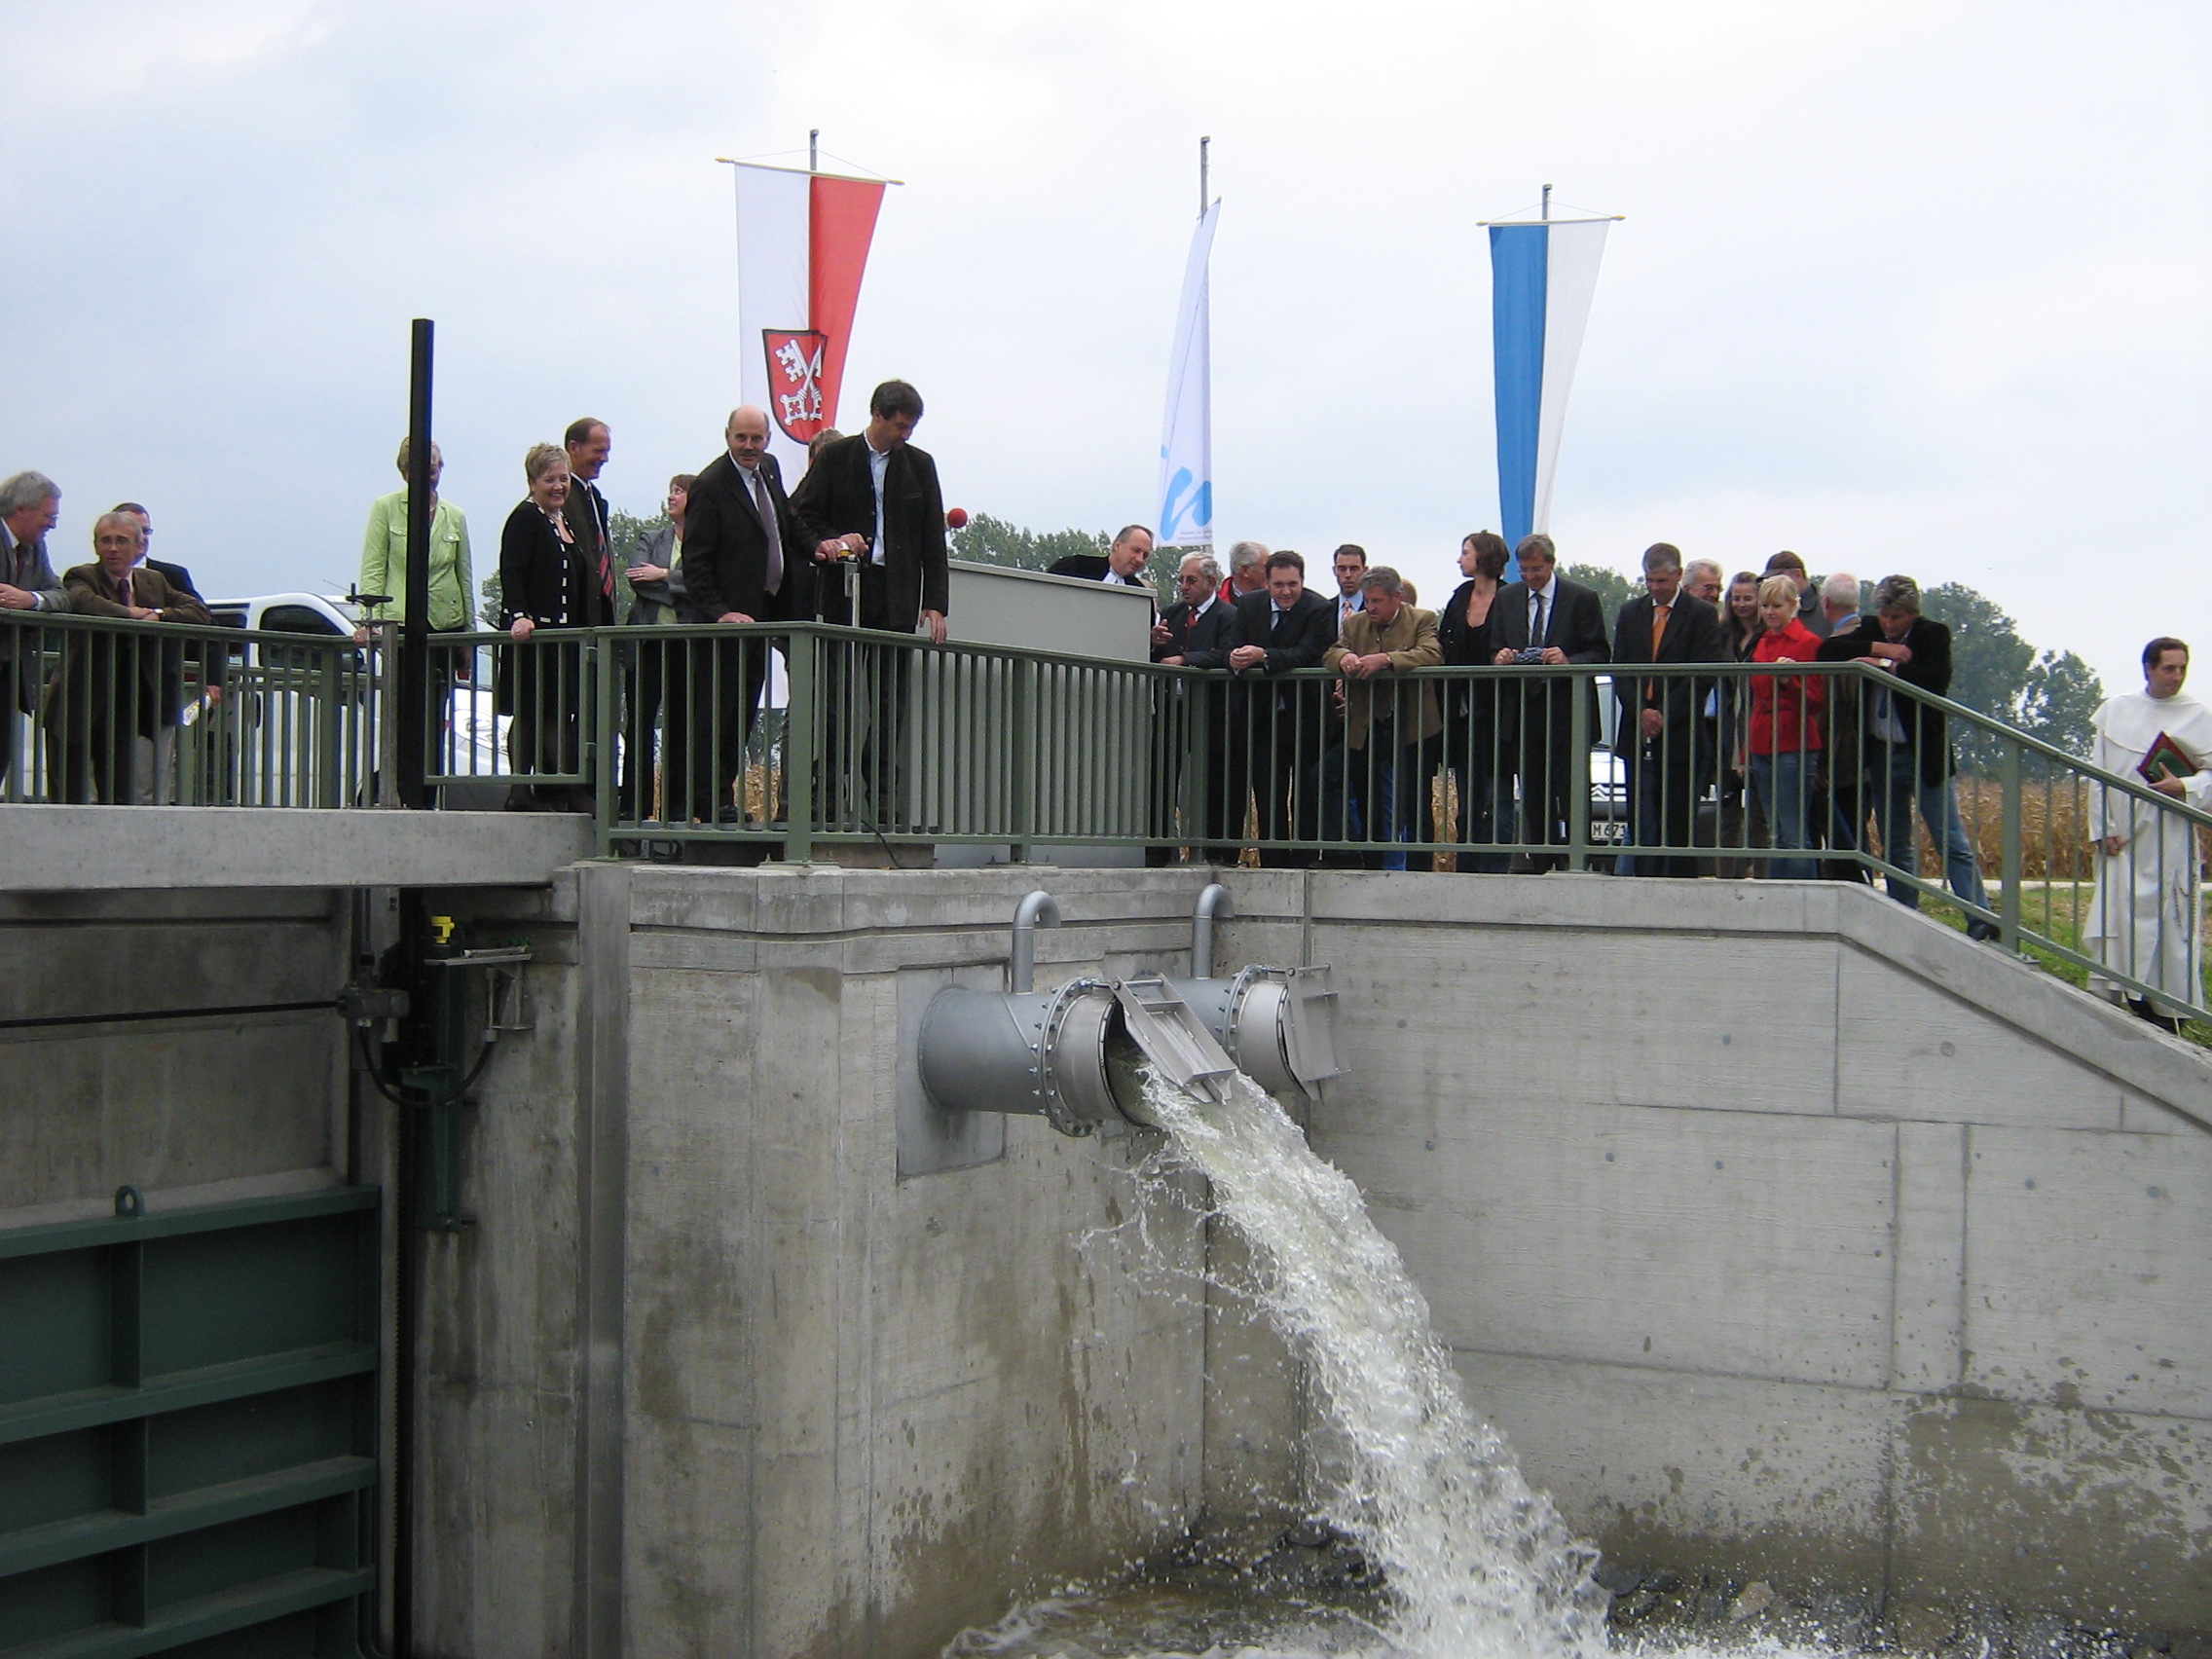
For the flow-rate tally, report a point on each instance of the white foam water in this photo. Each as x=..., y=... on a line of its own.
x=1479, y=1565
x=1478, y=1562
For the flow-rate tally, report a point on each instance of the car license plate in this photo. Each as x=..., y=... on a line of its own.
x=1608, y=830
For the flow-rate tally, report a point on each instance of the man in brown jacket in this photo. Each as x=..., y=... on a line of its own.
x=108, y=702
x=1387, y=721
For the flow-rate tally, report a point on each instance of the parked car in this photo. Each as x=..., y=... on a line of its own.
x=273, y=724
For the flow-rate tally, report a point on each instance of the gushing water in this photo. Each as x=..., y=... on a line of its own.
x=1479, y=1563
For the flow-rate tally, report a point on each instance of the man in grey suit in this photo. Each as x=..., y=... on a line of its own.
x=30, y=505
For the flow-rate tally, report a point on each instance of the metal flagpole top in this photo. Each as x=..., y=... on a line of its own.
x=804, y=172
x=1544, y=216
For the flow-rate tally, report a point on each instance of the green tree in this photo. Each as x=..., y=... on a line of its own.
x=1989, y=665
x=1994, y=671
x=1615, y=590
x=987, y=540
x=2060, y=702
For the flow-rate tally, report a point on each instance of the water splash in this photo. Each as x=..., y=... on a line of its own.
x=1479, y=1566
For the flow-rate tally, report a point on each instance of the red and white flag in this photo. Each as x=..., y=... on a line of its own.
x=802, y=241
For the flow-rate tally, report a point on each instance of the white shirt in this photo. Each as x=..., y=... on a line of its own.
x=1544, y=598
x=1116, y=578
x=878, y=462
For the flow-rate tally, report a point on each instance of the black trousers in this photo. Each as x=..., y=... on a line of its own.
x=643, y=679
x=711, y=687
x=1283, y=747
x=865, y=694
x=1660, y=811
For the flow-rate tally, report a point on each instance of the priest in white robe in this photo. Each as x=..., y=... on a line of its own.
x=2146, y=917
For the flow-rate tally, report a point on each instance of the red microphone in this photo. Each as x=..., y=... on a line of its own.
x=956, y=519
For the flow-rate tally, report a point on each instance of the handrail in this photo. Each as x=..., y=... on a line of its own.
x=790, y=736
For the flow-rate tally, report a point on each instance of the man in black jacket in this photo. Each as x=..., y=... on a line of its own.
x=1908, y=746
x=1544, y=618
x=1275, y=725
x=1122, y=563
x=870, y=505
x=1197, y=632
x=1658, y=731
x=741, y=562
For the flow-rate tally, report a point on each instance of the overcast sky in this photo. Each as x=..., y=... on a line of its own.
x=1903, y=287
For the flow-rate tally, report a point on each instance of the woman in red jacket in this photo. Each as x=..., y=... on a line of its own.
x=1785, y=727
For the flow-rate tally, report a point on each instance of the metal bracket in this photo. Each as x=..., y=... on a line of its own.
x=507, y=1002
x=1174, y=1038
x=1309, y=1025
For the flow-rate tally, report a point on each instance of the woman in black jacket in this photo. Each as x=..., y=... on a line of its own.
x=546, y=582
x=1471, y=712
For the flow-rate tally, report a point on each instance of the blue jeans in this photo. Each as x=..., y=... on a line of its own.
x=1780, y=784
x=1897, y=789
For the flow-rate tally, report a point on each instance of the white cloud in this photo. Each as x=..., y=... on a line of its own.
x=1901, y=285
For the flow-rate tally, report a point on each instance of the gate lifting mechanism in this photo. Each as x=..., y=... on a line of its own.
x=1071, y=1055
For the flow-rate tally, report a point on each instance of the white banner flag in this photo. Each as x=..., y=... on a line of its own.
x=1186, y=443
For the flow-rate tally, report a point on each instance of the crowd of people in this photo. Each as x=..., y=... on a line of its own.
x=1786, y=775
x=1741, y=774
x=1763, y=748
x=106, y=705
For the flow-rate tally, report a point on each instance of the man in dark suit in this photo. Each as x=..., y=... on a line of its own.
x=871, y=502
x=1196, y=631
x=30, y=505
x=1544, y=618
x=1658, y=731
x=1120, y=564
x=589, y=444
x=1275, y=725
x=740, y=564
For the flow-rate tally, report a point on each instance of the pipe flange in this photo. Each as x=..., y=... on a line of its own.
x=1045, y=1056
x=1237, y=987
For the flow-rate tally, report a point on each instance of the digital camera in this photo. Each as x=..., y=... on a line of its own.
x=1527, y=654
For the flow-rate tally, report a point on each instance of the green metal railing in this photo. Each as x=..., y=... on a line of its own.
x=111, y=713
x=788, y=739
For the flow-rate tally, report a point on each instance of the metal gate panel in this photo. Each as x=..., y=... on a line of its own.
x=188, y=1430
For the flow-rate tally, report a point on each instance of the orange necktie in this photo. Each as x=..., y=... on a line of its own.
x=1659, y=615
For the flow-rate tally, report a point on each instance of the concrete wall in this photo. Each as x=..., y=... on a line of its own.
x=187, y=1106
x=706, y=1373
x=1782, y=1230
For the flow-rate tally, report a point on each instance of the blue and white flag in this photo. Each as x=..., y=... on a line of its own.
x=1542, y=277
x=1185, y=440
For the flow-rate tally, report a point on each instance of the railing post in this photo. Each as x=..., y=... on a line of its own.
x=1578, y=774
x=1021, y=729
x=598, y=682
x=2010, y=861
x=799, y=747
x=383, y=647
x=329, y=726
x=1195, y=694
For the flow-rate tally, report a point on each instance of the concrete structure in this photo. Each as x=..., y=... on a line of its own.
x=1782, y=1230
x=52, y=849
x=1785, y=1231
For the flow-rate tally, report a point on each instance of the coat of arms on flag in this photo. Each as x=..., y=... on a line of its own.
x=802, y=241
x=795, y=380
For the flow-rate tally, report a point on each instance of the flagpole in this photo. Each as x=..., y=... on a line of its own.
x=814, y=152
x=1202, y=143
x=1547, y=207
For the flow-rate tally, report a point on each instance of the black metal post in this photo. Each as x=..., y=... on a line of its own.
x=413, y=674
